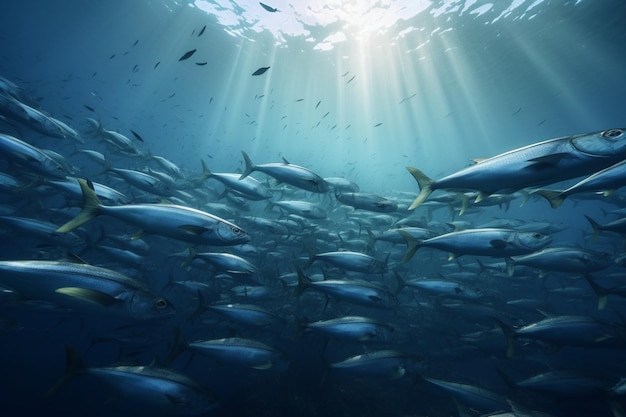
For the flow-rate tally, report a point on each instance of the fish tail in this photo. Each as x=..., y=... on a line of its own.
x=180, y=344
x=191, y=255
x=525, y=197
x=596, y=228
x=91, y=207
x=554, y=197
x=303, y=282
x=400, y=282
x=249, y=165
x=206, y=172
x=511, y=338
x=510, y=266
x=413, y=246
x=601, y=292
x=464, y=203
x=73, y=366
x=425, y=184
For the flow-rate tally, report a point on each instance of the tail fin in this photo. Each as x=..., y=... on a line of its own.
x=596, y=228
x=73, y=366
x=425, y=185
x=510, y=335
x=303, y=282
x=206, y=172
x=249, y=166
x=180, y=344
x=601, y=292
x=554, y=197
x=91, y=207
x=413, y=244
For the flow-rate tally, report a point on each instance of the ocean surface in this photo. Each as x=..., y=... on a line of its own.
x=254, y=246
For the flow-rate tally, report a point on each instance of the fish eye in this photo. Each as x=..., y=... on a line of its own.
x=537, y=235
x=160, y=303
x=236, y=230
x=612, y=133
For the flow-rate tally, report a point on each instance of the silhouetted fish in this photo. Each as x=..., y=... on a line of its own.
x=202, y=31
x=187, y=55
x=201, y=63
x=269, y=8
x=136, y=135
x=260, y=70
x=91, y=109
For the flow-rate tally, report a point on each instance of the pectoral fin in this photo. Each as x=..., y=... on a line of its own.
x=93, y=296
x=547, y=161
x=193, y=230
x=498, y=243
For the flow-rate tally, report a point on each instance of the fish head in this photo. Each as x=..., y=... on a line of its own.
x=608, y=143
x=147, y=305
x=230, y=233
x=533, y=240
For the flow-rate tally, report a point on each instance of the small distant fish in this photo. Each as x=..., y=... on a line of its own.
x=327, y=113
x=112, y=56
x=201, y=63
x=136, y=42
x=377, y=124
x=187, y=55
x=269, y=8
x=407, y=98
x=260, y=70
x=156, y=65
x=211, y=100
x=300, y=99
x=202, y=31
x=347, y=72
x=318, y=104
x=353, y=77
x=541, y=122
x=91, y=109
x=136, y=68
x=517, y=111
x=139, y=138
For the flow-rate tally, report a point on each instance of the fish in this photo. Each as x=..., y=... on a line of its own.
x=227, y=262
x=353, y=291
x=249, y=187
x=386, y=364
x=606, y=181
x=260, y=71
x=187, y=55
x=357, y=328
x=288, y=173
x=299, y=100
x=534, y=165
x=302, y=208
x=616, y=226
x=136, y=135
x=91, y=109
x=566, y=330
x=562, y=259
x=84, y=288
x=269, y=8
x=237, y=351
x=481, y=242
x=478, y=398
x=378, y=124
x=201, y=63
x=247, y=314
x=30, y=158
x=318, y=104
x=446, y=288
x=351, y=261
x=174, y=221
x=155, y=388
x=350, y=80
x=202, y=31
x=366, y=201
x=156, y=65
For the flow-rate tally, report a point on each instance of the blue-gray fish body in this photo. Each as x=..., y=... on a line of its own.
x=145, y=182
x=249, y=187
x=534, y=165
x=41, y=230
x=361, y=329
x=446, y=288
x=29, y=157
x=227, y=262
x=482, y=242
x=352, y=261
x=248, y=314
x=563, y=259
x=355, y=291
x=288, y=173
x=177, y=222
x=367, y=201
x=302, y=208
x=83, y=287
x=479, y=398
x=387, y=364
x=241, y=352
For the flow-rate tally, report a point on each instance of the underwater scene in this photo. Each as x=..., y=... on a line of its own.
x=313, y=208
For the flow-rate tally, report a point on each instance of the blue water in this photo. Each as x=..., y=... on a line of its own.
x=357, y=90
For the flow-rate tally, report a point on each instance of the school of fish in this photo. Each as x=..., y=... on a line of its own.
x=212, y=290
